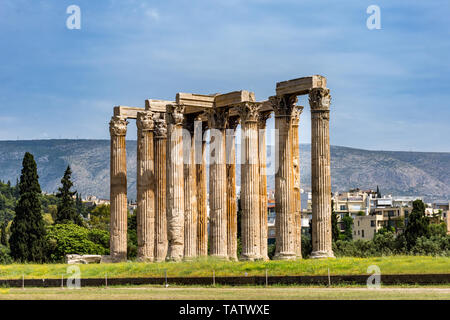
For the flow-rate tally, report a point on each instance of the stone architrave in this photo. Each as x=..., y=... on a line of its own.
x=319, y=100
x=263, y=116
x=296, y=181
x=160, y=139
x=145, y=187
x=285, y=221
x=190, y=189
x=231, y=188
x=118, y=191
x=250, y=182
x=175, y=182
x=217, y=122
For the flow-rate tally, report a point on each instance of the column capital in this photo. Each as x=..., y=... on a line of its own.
x=263, y=116
x=118, y=126
x=233, y=122
x=175, y=113
x=160, y=128
x=296, y=112
x=319, y=99
x=283, y=105
x=249, y=111
x=145, y=121
x=218, y=118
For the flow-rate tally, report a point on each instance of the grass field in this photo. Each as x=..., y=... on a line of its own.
x=227, y=293
x=205, y=267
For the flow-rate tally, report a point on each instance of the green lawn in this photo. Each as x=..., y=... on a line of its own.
x=205, y=267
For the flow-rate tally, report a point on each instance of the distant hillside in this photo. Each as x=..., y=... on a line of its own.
x=423, y=174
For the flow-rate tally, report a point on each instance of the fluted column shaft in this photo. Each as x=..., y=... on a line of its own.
x=202, y=218
x=160, y=139
x=284, y=223
x=118, y=189
x=263, y=183
x=231, y=189
x=190, y=191
x=296, y=182
x=175, y=183
x=319, y=100
x=250, y=180
x=145, y=187
x=217, y=120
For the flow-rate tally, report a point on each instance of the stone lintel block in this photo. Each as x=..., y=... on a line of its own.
x=231, y=98
x=127, y=112
x=157, y=105
x=195, y=102
x=301, y=85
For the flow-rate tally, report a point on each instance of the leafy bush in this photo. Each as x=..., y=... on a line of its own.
x=5, y=257
x=65, y=239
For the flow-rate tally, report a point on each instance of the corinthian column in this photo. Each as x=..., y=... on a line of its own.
x=202, y=204
x=217, y=121
x=263, y=182
x=231, y=189
x=190, y=190
x=118, y=189
x=250, y=202
x=284, y=222
x=319, y=100
x=160, y=186
x=296, y=181
x=175, y=183
x=145, y=187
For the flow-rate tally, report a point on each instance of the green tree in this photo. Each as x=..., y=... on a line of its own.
x=347, y=221
x=378, y=192
x=67, y=212
x=100, y=217
x=27, y=241
x=334, y=223
x=418, y=225
x=4, y=237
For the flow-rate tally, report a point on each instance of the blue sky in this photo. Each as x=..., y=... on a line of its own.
x=390, y=87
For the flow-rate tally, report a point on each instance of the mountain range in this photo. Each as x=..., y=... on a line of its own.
x=424, y=174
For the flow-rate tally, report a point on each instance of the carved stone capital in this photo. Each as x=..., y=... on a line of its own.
x=319, y=99
x=175, y=113
x=218, y=118
x=283, y=105
x=296, y=112
x=249, y=111
x=263, y=116
x=118, y=126
x=160, y=128
x=145, y=121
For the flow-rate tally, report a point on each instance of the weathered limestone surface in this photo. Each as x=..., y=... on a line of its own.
x=300, y=85
x=145, y=187
x=296, y=182
x=231, y=189
x=263, y=183
x=202, y=217
x=285, y=222
x=217, y=121
x=118, y=191
x=175, y=183
x=250, y=181
x=319, y=100
x=83, y=259
x=160, y=138
x=190, y=190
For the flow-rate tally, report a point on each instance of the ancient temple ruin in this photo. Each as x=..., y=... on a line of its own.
x=172, y=222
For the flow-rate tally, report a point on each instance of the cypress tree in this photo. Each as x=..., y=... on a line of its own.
x=27, y=241
x=418, y=224
x=334, y=223
x=67, y=211
x=378, y=192
x=4, y=237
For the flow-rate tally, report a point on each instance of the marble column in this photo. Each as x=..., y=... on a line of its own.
x=250, y=180
x=175, y=182
x=118, y=189
x=319, y=100
x=202, y=201
x=231, y=188
x=262, y=148
x=284, y=221
x=160, y=140
x=145, y=187
x=296, y=181
x=190, y=189
x=217, y=121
